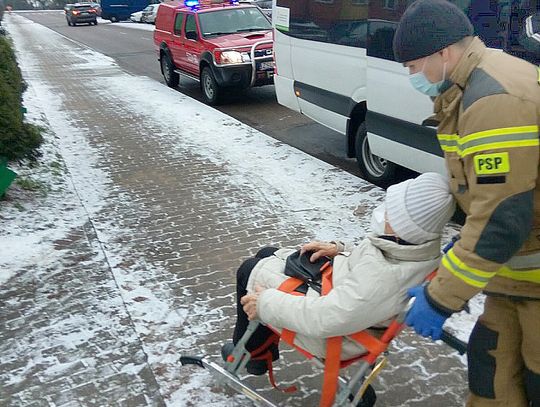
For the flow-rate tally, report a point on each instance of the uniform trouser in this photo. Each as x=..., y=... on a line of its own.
x=504, y=354
x=262, y=333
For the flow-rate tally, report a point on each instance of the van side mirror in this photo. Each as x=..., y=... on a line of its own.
x=192, y=35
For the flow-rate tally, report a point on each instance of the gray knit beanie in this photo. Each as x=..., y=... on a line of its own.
x=428, y=26
x=418, y=209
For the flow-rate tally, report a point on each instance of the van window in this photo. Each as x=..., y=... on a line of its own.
x=178, y=22
x=337, y=22
x=500, y=24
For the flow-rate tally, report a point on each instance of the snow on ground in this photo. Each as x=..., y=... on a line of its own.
x=121, y=24
x=131, y=25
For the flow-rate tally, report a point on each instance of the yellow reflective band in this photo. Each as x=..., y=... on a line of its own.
x=532, y=276
x=503, y=138
x=500, y=145
x=499, y=132
x=509, y=137
x=470, y=275
x=539, y=76
x=461, y=276
x=450, y=149
x=496, y=163
x=448, y=142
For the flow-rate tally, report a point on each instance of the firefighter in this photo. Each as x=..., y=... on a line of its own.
x=487, y=105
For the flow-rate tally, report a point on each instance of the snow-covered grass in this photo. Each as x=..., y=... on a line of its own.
x=34, y=219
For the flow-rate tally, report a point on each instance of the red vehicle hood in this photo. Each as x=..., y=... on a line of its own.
x=240, y=39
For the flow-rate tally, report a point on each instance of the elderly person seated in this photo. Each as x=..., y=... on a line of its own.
x=370, y=280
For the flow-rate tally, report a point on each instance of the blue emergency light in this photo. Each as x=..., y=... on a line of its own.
x=191, y=3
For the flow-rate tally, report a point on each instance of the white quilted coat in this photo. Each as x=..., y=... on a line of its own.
x=369, y=287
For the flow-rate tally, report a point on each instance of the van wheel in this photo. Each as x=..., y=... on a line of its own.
x=167, y=69
x=374, y=169
x=210, y=89
x=114, y=19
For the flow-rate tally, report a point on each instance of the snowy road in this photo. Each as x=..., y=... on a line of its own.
x=128, y=261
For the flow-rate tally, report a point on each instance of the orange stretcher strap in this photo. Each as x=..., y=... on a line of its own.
x=392, y=331
x=333, y=345
x=327, y=270
x=288, y=336
x=332, y=362
x=431, y=275
x=288, y=286
x=331, y=371
x=260, y=352
x=372, y=344
x=290, y=389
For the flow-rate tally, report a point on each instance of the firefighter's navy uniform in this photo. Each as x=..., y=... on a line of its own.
x=488, y=130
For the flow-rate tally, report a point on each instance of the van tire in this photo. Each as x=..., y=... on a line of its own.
x=167, y=69
x=114, y=19
x=210, y=89
x=374, y=169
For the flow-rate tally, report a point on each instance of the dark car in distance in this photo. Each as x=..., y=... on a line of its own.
x=80, y=13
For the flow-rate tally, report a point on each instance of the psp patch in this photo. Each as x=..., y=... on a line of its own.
x=488, y=164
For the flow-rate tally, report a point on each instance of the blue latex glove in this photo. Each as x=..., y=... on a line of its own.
x=425, y=320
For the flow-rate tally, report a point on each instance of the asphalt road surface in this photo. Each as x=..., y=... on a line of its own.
x=133, y=50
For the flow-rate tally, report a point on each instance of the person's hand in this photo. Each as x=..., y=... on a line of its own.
x=319, y=249
x=425, y=320
x=249, y=303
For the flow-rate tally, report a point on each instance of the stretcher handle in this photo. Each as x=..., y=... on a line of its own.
x=453, y=342
x=449, y=339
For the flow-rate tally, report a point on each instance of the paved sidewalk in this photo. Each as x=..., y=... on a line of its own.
x=160, y=200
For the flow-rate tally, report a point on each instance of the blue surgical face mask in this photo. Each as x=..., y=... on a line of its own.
x=422, y=84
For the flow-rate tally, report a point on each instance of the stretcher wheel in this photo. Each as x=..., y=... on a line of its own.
x=369, y=398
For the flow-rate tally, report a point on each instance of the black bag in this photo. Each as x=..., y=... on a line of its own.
x=299, y=266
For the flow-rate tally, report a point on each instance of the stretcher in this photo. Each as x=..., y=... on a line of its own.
x=337, y=390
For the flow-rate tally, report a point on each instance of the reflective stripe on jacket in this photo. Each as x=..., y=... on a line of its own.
x=488, y=131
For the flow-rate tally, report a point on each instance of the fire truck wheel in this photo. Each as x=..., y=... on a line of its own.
x=210, y=89
x=167, y=68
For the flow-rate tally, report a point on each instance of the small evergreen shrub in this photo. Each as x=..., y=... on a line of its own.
x=18, y=140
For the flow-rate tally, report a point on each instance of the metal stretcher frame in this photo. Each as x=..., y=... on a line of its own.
x=355, y=387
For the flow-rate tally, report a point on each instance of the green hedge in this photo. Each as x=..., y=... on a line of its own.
x=18, y=140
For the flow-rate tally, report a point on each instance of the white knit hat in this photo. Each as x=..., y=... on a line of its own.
x=418, y=209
